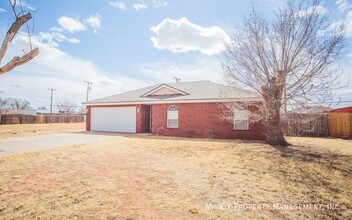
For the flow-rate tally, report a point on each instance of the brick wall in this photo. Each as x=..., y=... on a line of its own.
x=201, y=120
x=144, y=114
x=88, y=113
x=195, y=120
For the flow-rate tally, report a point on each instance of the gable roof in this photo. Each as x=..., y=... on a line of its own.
x=196, y=91
x=166, y=90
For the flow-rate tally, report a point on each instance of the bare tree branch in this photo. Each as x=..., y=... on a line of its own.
x=14, y=103
x=66, y=106
x=11, y=33
x=17, y=61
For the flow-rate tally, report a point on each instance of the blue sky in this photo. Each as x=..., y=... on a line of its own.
x=123, y=45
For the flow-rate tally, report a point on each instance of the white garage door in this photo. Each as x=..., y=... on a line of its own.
x=117, y=119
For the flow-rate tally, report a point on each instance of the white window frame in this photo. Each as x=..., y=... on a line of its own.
x=172, y=114
x=239, y=116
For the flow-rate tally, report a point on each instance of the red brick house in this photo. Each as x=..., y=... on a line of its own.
x=185, y=109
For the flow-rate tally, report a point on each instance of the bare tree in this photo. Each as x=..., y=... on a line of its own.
x=21, y=19
x=287, y=60
x=66, y=106
x=14, y=103
x=82, y=110
x=3, y=104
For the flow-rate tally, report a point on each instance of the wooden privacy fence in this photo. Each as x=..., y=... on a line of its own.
x=340, y=125
x=318, y=125
x=39, y=119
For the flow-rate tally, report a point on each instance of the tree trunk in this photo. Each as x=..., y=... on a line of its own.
x=274, y=134
x=272, y=96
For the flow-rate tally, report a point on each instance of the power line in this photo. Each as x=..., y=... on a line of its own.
x=51, y=99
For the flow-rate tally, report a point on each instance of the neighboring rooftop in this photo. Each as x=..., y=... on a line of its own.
x=311, y=109
x=180, y=91
x=347, y=109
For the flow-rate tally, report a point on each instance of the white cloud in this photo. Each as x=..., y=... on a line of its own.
x=335, y=27
x=182, y=36
x=94, y=22
x=202, y=68
x=119, y=5
x=2, y=10
x=53, y=68
x=160, y=3
x=140, y=6
x=56, y=29
x=25, y=5
x=106, y=81
x=314, y=9
x=343, y=5
x=53, y=39
x=348, y=24
x=71, y=25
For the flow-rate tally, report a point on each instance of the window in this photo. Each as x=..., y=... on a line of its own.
x=241, y=120
x=172, y=117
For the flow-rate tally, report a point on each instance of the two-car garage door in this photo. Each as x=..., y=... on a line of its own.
x=116, y=119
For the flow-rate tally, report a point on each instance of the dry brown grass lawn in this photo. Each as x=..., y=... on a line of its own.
x=16, y=130
x=174, y=178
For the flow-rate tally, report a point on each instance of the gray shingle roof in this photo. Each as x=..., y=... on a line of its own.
x=196, y=90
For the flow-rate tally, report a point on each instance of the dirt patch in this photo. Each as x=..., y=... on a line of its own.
x=175, y=178
x=17, y=130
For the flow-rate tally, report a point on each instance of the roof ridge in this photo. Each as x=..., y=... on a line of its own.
x=187, y=81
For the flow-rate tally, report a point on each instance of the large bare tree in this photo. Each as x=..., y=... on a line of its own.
x=66, y=106
x=21, y=17
x=3, y=104
x=14, y=103
x=286, y=60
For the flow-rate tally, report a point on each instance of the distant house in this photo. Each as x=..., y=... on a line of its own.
x=185, y=109
x=343, y=110
x=27, y=111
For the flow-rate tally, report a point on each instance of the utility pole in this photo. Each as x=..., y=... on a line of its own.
x=88, y=88
x=51, y=99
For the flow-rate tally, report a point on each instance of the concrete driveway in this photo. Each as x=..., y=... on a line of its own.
x=27, y=144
